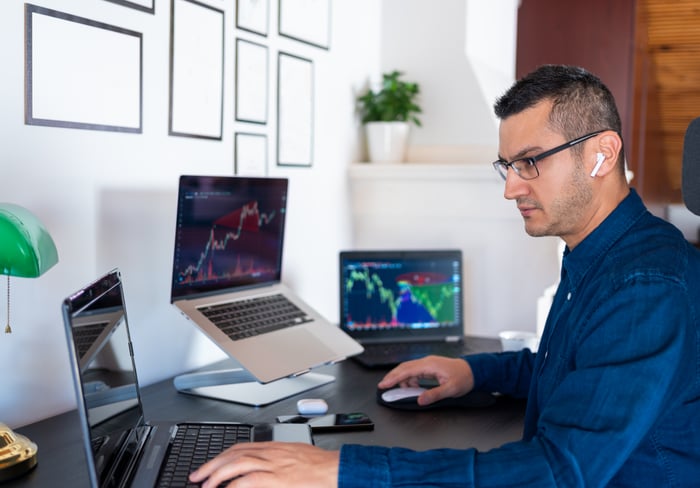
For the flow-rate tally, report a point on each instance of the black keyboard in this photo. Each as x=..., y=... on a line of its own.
x=194, y=445
x=386, y=355
x=253, y=316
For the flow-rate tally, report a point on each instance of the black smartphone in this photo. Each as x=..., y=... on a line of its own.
x=335, y=422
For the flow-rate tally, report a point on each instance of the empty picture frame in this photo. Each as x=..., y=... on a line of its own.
x=80, y=73
x=196, y=70
x=306, y=21
x=295, y=110
x=143, y=5
x=253, y=15
x=250, y=154
x=251, y=82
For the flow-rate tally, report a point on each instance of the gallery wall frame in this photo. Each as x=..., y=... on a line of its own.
x=143, y=5
x=253, y=16
x=196, y=70
x=80, y=73
x=250, y=154
x=251, y=81
x=295, y=110
x=307, y=21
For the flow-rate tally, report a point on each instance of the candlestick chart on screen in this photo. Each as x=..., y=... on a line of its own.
x=383, y=295
x=241, y=244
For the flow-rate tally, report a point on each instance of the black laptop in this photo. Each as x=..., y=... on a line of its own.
x=402, y=304
x=121, y=447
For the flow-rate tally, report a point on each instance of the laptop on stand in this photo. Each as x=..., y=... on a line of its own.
x=402, y=304
x=227, y=272
x=121, y=447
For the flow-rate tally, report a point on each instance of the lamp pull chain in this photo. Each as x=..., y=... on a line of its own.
x=8, y=329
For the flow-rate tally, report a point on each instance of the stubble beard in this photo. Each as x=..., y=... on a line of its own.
x=565, y=211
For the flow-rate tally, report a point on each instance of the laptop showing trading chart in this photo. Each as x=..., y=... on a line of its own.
x=402, y=304
x=227, y=272
x=122, y=448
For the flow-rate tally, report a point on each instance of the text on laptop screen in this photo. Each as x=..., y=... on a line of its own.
x=229, y=232
x=383, y=294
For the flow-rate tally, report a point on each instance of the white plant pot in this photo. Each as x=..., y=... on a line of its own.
x=387, y=141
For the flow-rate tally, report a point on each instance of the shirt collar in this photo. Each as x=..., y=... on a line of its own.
x=588, y=252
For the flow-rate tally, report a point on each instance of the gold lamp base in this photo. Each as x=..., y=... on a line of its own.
x=17, y=454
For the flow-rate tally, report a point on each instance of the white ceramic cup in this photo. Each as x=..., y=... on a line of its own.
x=515, y=340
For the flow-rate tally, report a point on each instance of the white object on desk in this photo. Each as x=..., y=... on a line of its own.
x=396, y=394
x=312, y=406
x=515, y=340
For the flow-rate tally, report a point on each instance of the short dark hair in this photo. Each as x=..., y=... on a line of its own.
x=581, y=103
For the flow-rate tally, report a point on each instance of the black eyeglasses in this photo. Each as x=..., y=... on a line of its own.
x=526, y=168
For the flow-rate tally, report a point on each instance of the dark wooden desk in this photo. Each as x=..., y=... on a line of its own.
x=62, y=462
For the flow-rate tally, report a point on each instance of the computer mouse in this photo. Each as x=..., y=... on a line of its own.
x=407, y=399
x=404, y=394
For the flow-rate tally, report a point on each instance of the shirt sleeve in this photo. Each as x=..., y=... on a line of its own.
x=628, y=362
x=508, y=372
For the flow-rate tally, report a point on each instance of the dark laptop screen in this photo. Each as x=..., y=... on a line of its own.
x=229, y=233
x=418, y=292
x=109, y=402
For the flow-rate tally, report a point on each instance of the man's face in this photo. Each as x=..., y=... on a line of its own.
x=558, y=202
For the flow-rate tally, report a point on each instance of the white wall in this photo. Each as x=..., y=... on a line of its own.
x=462, y=54
x=108, y=198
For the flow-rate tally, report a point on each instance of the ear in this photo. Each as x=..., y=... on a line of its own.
x=606, y=155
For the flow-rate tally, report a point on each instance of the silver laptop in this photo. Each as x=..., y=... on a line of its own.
x=402, y=304
x=227, y=270
x=122, y=448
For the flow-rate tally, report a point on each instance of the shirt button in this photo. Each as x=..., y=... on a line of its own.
x=568, y=296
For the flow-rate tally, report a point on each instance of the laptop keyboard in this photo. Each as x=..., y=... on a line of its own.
x=253, y=316
x=194, y=445
x=395, y=353
x=86, y=335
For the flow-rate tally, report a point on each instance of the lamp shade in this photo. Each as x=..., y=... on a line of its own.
x=26, y=248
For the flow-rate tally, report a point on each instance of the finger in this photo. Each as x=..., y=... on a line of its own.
x=205, y=470
x=432, y=395
x=232, y=469
x=236, y=452
x=404, y=372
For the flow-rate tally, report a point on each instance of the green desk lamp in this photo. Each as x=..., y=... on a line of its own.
x=26, y=250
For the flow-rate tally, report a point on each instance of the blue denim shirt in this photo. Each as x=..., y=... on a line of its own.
x=614, y=391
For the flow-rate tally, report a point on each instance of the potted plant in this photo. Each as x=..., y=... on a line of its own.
x=387, y=115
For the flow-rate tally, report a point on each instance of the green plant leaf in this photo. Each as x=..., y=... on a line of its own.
x=395, y=101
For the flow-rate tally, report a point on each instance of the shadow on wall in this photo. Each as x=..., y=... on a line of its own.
x=135, y=231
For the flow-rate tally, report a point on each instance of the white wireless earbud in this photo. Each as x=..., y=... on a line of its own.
x=599, y=158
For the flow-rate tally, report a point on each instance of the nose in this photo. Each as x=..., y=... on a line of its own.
x=515, y=186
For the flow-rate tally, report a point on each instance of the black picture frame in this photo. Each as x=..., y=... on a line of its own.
x=105, y=96
x=148, y=6
x=253, y=16
x=196, y=50
x=295, y=110
x=251, y=82
x=307, y=21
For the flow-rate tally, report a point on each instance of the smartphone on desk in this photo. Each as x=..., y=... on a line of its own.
x=335, y=422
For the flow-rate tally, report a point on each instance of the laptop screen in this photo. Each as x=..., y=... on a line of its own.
x=108, y=398
x=401, y=293
x=229, y=233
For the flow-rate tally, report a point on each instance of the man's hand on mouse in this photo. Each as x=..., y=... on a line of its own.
x=454, y=377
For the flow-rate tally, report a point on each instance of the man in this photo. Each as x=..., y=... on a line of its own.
x=614, y=390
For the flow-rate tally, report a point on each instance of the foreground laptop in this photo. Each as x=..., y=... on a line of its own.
x=122, y=449
x=227, y=266
x=402, y=304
